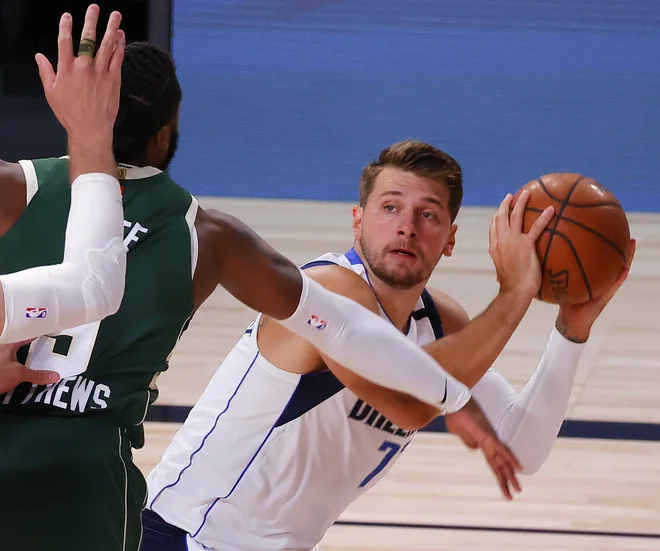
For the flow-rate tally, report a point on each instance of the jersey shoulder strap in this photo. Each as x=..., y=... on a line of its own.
x=40, y=173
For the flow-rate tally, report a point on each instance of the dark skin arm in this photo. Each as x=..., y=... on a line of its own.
x=232, y=255
x=13, y=193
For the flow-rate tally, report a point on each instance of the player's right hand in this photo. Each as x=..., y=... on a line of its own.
x=13, y=373
x=575, y=321
x=514, y=252
x=84, y=93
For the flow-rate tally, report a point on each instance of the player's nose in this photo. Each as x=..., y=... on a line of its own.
x=407, y=224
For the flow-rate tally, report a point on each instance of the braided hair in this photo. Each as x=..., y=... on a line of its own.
x=150, y=97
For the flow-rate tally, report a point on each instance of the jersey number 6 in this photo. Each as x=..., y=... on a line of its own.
x=67, y=352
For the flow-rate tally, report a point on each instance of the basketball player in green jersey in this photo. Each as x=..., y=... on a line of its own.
x=65, y=460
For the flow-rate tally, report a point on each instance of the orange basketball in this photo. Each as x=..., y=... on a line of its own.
x=583, y=249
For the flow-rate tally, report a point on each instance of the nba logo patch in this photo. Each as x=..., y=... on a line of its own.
x=36, y=313
x=317, y=323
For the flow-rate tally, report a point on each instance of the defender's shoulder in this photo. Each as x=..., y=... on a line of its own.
x=14, y=194
x=12, y=176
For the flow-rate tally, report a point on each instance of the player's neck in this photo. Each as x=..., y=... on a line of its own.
x=397, y=303
x=137, y=163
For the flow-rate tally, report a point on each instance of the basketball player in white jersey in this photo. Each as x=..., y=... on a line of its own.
x=89, y=283
x=284, y=438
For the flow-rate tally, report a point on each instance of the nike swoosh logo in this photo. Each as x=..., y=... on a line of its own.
x=444, y=398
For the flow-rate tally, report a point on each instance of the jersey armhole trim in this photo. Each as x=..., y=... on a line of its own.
x=315, y=263
x=31, y=180
x=191, y=216
x=433, y=315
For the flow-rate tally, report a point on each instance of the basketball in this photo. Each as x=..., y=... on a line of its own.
x=583, y=249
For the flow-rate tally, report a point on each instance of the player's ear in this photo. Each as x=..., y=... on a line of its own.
x=357, y=221
x=163, y=137
x=451, y=242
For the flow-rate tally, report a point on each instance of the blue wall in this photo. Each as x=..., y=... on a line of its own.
x=291, y=98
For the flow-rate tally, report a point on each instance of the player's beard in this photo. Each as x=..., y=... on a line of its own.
x=397, y=279
x=174, y=144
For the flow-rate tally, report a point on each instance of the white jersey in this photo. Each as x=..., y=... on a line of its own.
x=267, y=459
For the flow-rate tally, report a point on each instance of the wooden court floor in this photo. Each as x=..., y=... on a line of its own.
x=600, y=489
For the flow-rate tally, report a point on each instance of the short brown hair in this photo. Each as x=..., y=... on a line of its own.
x=421, y=159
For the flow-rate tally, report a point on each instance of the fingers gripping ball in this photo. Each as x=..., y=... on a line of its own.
x=583, y=249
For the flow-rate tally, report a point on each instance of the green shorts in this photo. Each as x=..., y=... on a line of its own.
x=68, y=484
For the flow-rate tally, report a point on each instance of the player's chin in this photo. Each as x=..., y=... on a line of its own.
x=402, y=269
x=404, y=278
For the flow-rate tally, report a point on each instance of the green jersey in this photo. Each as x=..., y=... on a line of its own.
x=119, y=357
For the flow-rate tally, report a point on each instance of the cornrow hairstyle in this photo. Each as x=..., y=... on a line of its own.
x=150, y=96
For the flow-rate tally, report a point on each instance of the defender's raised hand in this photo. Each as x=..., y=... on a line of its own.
x=84, y=92
x=575, y=321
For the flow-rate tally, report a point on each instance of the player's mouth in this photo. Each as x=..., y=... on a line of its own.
x=405, y=253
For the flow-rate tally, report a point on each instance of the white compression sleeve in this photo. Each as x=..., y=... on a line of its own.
x=373, y=348
x=89, y=284
x=529, y=422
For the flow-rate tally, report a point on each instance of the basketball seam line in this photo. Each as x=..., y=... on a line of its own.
x=586, y=228
x=587, y=206
x=552, y=231
x=577, y=258
x=595, y=205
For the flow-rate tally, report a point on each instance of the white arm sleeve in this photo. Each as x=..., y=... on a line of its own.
x=89, y=284
x=529, y=422
x=373, y=348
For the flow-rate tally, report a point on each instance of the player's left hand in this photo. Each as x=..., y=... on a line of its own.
x=13, y=373
x=84, y=92
x=575, y=321
x=471, y=426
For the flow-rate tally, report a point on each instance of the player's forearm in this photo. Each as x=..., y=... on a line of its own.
x=468, y=353
x=529, y=421
x=576, y=331
x=371, y=347
x=89, y=284
x=47, y=299
x=91, y=153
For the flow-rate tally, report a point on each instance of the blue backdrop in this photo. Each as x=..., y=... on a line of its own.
x=290, y=99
